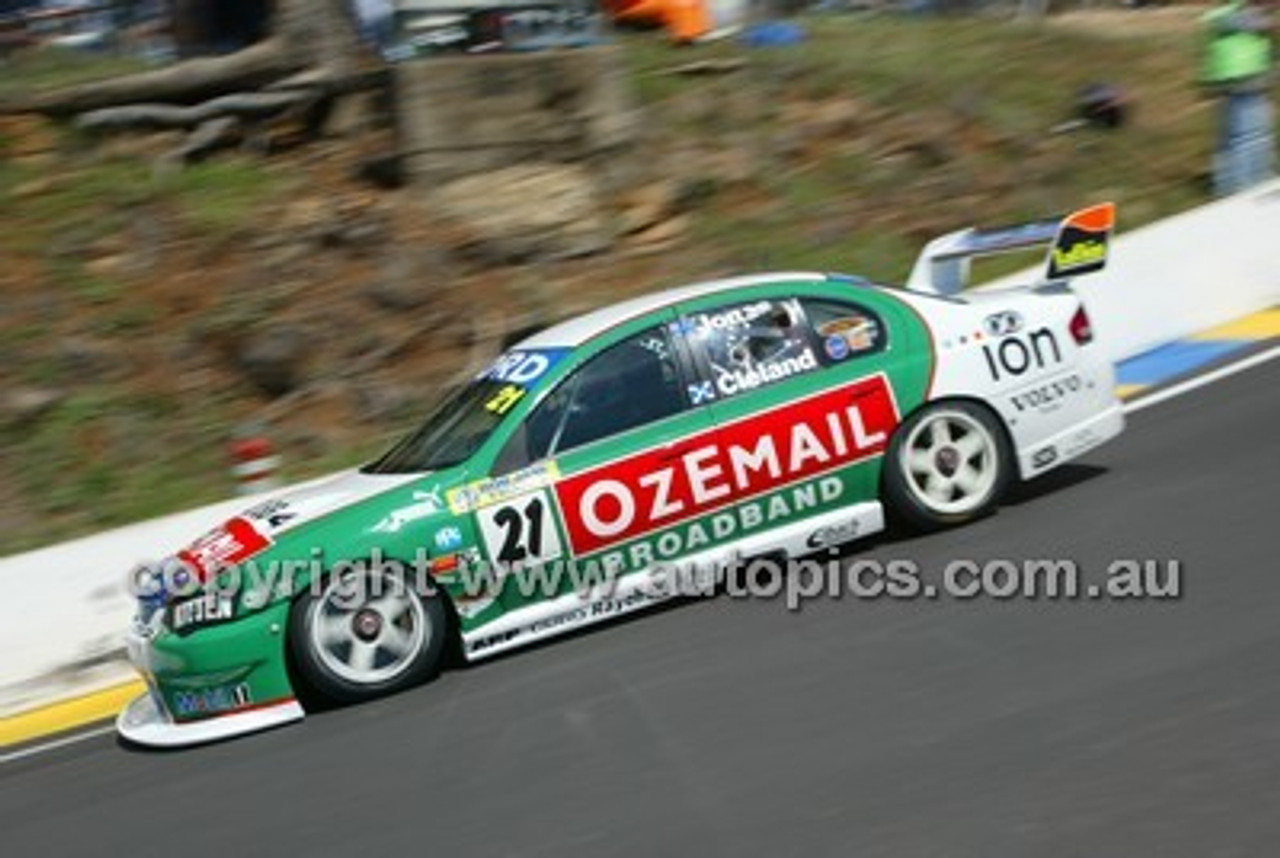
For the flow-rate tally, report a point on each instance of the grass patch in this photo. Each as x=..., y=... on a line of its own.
x=34, y=71
x=217, y=197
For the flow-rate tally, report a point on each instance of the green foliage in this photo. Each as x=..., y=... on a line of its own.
x=216, y=197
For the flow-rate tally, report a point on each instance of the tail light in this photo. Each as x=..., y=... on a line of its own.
x=1081, y=328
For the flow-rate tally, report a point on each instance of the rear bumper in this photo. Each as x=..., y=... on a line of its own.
x=146, y=721
x=1072, y=442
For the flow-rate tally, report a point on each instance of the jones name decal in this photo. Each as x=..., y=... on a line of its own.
x=621, y=500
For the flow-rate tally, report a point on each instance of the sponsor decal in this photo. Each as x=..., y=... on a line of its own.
x=1018, y=354
x=490, y=641
x=1044, y=457
x=596, y=611
x=272, y=514
x=1079, y=256
x=703, y=391
x=425, y=504
x=1080, y=441
x=1049, y=396
x=505, y=399
x=744, y=518
x=210, y=701
x=619, y=501
x=1003, y=324
x=445, y=565
x=448, y=538
x=235, y=541
x=860, y=333
x=836, y=534
x=201, y=611
x=524, y=367
x=571, y=617
x=1081, y=244
x=731, y=381
x=836, y=347
x=494, y=490
x=623, y=604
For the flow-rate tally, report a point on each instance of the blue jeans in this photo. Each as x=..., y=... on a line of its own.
x=1246, y=144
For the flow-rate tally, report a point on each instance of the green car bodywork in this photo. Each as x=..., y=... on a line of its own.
x=237, y=657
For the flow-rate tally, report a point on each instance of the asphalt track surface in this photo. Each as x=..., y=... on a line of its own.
x=852, y=728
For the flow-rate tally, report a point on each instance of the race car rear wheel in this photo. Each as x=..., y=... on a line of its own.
x=366, y=632
x=948, y=464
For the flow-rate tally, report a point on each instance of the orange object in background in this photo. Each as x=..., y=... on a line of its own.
x=684, y=20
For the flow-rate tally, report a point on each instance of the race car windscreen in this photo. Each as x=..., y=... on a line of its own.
x=470, y=414
x=451, y=434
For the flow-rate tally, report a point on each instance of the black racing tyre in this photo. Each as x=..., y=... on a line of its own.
x=948, y=464
x=366, y=632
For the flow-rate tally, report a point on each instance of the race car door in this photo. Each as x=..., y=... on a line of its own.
x=798, y=387
x=608, y=440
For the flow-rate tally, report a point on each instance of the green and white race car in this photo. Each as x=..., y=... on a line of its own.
x=772, y=415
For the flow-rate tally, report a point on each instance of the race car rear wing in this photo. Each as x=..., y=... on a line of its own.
x=1077, y=245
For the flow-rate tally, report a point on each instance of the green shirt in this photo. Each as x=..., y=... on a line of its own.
x=1237, y=48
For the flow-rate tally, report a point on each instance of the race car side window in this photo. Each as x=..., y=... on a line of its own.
x=746, y=346
x=624, y=387
x=844, y=331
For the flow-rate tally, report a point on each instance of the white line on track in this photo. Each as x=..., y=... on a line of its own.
x=1201, y=380
x=14, y=756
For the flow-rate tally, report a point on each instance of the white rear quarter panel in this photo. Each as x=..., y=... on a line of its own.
x=1014, y=350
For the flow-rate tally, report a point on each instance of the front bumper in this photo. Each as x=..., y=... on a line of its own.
x=145, y=721
x=216, y=682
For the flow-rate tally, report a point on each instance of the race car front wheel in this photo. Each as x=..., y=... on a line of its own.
x=366, y=632
x=948, y=464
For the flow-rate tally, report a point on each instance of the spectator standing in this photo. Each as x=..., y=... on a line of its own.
x=1237, y=71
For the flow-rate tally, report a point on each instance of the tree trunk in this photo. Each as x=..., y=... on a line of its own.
x=314, y=35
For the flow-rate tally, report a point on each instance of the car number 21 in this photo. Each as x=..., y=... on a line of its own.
x=520, y=531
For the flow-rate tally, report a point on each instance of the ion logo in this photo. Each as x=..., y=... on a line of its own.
x=1016, y=355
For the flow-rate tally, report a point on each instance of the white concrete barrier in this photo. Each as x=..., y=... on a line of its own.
x=66, y=607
